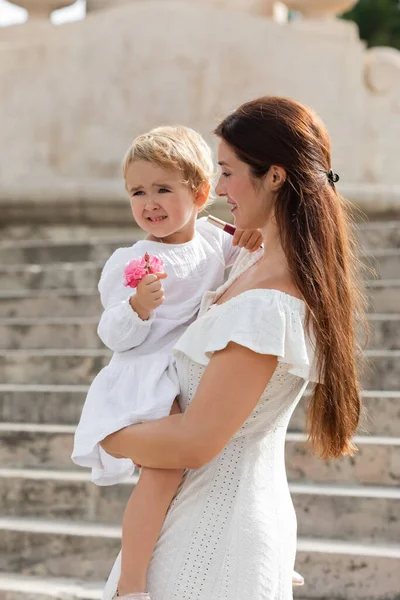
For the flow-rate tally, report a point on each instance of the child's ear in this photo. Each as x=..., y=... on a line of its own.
x=202, y=194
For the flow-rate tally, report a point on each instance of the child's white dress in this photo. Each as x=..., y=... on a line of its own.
x=140, y=383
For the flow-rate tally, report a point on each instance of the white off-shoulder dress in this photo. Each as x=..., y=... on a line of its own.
x=230, y=532
x=140, y=383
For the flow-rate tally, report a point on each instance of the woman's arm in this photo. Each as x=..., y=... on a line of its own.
x=229, y=390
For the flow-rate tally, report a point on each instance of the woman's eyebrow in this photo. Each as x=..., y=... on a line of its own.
x=222, y=163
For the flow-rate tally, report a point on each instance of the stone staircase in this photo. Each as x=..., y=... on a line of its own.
x=60, y=533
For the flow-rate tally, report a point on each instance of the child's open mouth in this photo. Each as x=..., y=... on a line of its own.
x=156, y=219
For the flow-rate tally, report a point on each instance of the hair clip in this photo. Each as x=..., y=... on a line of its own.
x=333, y=177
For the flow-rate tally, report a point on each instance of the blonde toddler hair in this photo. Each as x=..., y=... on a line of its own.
x=175, y=147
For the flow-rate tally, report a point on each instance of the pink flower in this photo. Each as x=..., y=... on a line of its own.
x=134, y=272
x=155, y=264
x=137, y=268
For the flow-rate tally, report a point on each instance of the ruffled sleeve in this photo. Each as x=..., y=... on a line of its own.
x=265, y=321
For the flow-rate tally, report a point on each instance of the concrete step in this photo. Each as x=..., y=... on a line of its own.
x=322, y=510
x=382, y=264
x=44, y=252
x=372, y=234
x=71, y=276
x=41, y=303
x=24, y=587
x=84, y=551
x=61, y=332
x=339, y=570
x=384, y=297
x=363, y=513
x=63, y=404
x=384, y=331
x=45, y=446
x=87, y=244
x=72, y=332
x=377, y=235
x=380, y=413
x=377, y=462
x=81, y=366
x=66, y=232
x=58, y=548
x=43, y=403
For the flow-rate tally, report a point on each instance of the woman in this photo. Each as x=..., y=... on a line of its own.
x=285, y=317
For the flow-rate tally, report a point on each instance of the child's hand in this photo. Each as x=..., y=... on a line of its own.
x=149, y=295
x=251, y=239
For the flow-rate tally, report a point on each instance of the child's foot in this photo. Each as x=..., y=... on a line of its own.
x=297, y=579
x=135, y=596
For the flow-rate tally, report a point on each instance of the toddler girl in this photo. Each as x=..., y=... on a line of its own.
x=167, y=176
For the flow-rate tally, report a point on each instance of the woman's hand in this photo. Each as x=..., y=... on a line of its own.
x=251, y=239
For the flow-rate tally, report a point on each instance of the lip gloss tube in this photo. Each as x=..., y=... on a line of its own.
x=221, y=225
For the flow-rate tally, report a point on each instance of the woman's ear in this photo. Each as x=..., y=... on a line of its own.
x=202, y=195
x=277, y=177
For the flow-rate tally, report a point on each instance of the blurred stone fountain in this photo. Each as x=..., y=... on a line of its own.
x=41, y=9
x=73, y=96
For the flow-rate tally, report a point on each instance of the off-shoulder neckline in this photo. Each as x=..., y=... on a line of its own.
x=293, y=301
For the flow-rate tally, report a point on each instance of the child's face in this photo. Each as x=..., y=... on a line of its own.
x=161, y=204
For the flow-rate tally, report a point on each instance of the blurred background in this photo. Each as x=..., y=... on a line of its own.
x=77, y=82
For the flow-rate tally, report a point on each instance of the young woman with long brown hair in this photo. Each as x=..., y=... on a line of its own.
x=286, y=316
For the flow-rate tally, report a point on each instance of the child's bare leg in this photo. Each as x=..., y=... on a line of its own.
x=142, y=523
x=143, y=519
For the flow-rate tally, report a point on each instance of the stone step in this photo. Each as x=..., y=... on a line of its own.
x=61, y=332
x=85, y=551
x=72, y=332
x=48, y=366
x=339, y=570
x=380, y=413
x=44, y=252
x=75, y=275
x=41, y=303
x=70, y=276
x=87, y=244
x=58, y=548
x=322, y=510
x=45, y=446
x=385, y=264
x=50, y=404
x=376, y=235
x=377, y=462
x=24, y=587
x=372, y=234
x=384, y=297
x=42, y=403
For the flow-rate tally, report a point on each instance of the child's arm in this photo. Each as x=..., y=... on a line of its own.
x=251, y=239
x=128, y=315
x=231, y=245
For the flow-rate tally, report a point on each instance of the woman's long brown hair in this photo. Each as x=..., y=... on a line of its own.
x=315, y=227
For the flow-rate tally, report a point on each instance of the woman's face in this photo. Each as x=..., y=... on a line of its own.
x=251, y=198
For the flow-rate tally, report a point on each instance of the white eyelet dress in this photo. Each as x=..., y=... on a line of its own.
x=230, y=533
